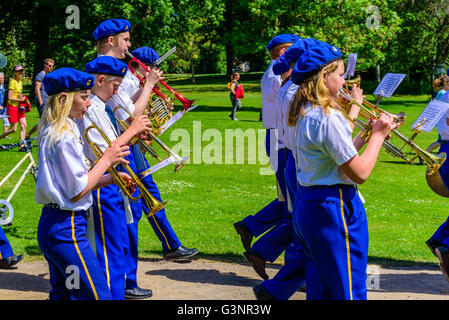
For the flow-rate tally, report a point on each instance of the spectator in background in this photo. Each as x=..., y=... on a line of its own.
x=41, y=94
x=235, y=100
x=15, y=110
x=2, y=103
x=442, y=85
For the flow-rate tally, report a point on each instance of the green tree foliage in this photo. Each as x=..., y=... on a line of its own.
x=401, y=36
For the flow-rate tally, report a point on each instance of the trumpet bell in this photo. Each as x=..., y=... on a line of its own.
x=436, y=183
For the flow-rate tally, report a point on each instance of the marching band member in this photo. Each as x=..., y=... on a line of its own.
x=281, y=237
x=109, y=206
x=273, y=213
x=172, y=246
x=439, y=241
x=113, y=39
x=64, y=184
x=328, y=214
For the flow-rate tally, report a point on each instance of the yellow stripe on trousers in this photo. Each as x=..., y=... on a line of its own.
x=105, y=253
x=348, y=252
x=81, y=257
x=154, y=219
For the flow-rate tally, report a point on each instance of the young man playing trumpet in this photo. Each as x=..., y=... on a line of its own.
x=109, y=202
x=130, y=90
x=112, y=38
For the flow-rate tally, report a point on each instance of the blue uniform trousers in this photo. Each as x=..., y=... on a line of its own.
x=442, y=233
x=111, y=235
x=159, y=221
x=132, y=244
x=5, y=247
x=293, y=274
x=289, y=278
x=331, y=222
x=271, y=245
x=62, y=239
x=276, y=210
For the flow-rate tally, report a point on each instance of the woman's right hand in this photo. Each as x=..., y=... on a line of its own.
x=115, y=154
x=384, y=125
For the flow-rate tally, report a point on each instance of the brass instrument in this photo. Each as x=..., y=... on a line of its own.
x=159, y=111
x=368, y=111
x=154, y=205
x=179, y=161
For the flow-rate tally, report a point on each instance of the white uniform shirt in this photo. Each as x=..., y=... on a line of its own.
x=285, y=132
x=62, y=173
x=322, y=143
x=269, y=86
x=128, y=88
x=99, y=115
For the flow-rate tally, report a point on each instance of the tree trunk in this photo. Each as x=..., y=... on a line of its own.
x=192, y=64
x=42, y=27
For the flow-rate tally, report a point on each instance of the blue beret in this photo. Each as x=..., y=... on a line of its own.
x=111, y=27
x=281, y=39
x=292, y=54
x=67, y=80
x=107, y=65
x=146, y=54
x=313, y=60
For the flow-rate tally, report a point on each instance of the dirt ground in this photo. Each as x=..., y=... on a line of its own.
x=211, y=280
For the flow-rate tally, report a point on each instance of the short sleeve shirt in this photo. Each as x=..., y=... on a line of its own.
x=322, y=143
x=62, y=173
x=16, y=87
x=40, y=77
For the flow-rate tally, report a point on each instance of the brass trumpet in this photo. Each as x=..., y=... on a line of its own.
x=179, y=161
x=368, y=111
x=154, y=205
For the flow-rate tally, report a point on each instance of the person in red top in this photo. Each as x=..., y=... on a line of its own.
x=234, y=96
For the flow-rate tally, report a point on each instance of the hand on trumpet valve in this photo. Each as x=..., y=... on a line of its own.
x=357, y=94
x=116, y=154
x=384, y=125
x=130, y=184
x=140, y=124
x=153, y=76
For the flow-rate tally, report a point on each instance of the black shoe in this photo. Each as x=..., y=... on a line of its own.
x=244, y=233
x=432, y=244
x=138, y=293
x=442, y=254
x=232, y=118
x=257, y=262
x=10, y=261
x=180, y=253
x=262, y=294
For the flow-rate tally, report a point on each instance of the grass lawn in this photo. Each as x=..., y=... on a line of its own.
x=215, y=190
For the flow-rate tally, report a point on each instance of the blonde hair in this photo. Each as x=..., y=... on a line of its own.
x=55, y=115
x=312, y=90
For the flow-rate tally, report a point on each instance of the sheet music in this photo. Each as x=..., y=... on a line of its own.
x=350, y=68
x=389, y=84
x=431, y=115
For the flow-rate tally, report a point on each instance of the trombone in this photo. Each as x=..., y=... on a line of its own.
x=178, y=160
x=367, y=111
x=154, y=205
